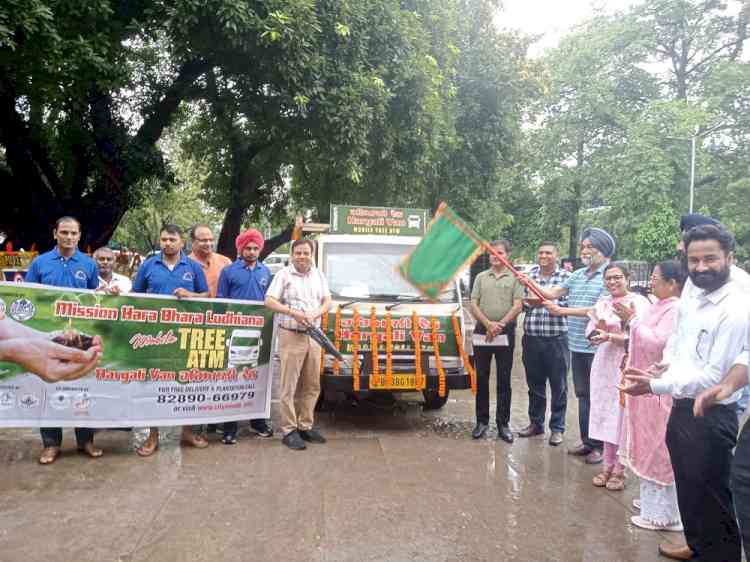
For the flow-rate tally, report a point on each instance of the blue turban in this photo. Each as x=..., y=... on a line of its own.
x=601, y=240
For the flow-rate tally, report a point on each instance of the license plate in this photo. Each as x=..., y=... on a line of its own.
x=401, y=381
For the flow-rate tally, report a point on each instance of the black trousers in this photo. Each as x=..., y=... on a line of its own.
x=546, y=358
x=580, y=364
x=701, y=454
x=741, y=485
x=52, y=436
x=503, y=356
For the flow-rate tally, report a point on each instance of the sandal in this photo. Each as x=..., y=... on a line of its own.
x=616, y=482
x=197, y=441
x=148, y=448
x=601, y=479
x=91, y=450
x=49, y=455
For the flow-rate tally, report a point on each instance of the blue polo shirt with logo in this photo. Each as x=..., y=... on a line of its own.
x=239, y=281
x=78, y=271
x=155, y=277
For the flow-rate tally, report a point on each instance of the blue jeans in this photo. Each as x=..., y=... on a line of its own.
x=581, y=367
x=546, y=358
x=52, y=436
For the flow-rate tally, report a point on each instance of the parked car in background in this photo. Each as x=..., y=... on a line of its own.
x=275, y=262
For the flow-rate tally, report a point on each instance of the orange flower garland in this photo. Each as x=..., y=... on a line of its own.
x=374, y=345
x=438, y=362
x=388, y=351
x=355, y=350
x=417, y=336
x=337, y=337
x=324, y=327
x=462, y=352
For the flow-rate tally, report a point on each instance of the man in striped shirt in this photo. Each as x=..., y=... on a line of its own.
x=299, y=294
x=545, y=350
x=583, y=289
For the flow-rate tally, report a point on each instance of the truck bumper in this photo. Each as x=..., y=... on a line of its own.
x=454, y=380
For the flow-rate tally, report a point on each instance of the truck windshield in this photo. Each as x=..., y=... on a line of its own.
x=244, y=342
x=370, y=271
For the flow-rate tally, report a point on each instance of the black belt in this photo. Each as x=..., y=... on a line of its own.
x=295, y=330
x=683, y=403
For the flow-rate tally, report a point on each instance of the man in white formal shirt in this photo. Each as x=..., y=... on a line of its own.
x=110, y=281
x=711, y=335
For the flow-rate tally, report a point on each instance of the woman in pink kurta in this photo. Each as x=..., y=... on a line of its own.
x=643, y=448
x=606, y=332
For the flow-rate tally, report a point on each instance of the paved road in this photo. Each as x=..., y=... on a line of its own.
x=391, y=485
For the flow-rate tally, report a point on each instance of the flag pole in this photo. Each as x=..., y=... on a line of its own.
x=522, y=278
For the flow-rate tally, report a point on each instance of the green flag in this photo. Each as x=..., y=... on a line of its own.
x=447, y=247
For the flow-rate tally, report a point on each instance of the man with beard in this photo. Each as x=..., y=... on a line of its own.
x=171, y=272
x=712, y=333
x=246, y=279
x=65, y=266
x=583, y=289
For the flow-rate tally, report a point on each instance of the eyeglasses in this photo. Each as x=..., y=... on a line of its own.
x=614, y=278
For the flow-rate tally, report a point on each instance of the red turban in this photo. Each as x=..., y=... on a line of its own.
x=250, y=235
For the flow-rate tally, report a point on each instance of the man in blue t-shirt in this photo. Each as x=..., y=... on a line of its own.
x=171, y=272
x=245, y=279
x=65, y=266
x=583, y=289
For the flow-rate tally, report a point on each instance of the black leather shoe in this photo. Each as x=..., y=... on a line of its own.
x=294, y=441
x=312, y=436
x=504, y=433
x=531, y=430
x=479, y=430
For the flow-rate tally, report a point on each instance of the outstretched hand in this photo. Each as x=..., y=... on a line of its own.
x=51, y=361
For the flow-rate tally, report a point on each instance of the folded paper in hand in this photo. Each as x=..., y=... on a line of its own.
x=481, y=339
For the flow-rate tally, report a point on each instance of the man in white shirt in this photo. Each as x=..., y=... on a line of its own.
x=712, y=333
x=299, y=295
x=109, y=281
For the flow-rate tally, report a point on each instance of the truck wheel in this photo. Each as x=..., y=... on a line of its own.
x=433, y=401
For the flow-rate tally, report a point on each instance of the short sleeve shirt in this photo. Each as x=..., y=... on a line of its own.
x=584, y=289
x=538, y=321
x=120, y=281
x=212, y=268
x=78, y=271
x=494, y=294
x=156, y=278
x=302, y=291
x=239, y=281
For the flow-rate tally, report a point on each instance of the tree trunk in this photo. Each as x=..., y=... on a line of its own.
x=230, y=228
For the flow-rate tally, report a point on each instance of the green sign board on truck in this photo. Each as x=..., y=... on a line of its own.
x=389, y=221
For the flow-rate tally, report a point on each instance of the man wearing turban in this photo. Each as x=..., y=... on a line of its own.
x=246, y=279
x=583, y=289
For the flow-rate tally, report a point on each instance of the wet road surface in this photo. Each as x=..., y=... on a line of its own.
x=392, y=484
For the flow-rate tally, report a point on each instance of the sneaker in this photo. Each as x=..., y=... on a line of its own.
x=642, y=523
x=229, y=439
x=556, y=438
x=580, y=450
x=293, y=440
x=261, y=428
x=312, y=436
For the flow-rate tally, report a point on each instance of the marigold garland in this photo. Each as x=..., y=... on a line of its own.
x=374, y=342
x=438, y=362
x=388, y=351
x=337, y=338
x=355, y=350
x=324, y=327
x=417, y=336
x=462, y=352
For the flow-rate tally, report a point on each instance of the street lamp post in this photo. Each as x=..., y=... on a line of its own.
x=698, y=134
